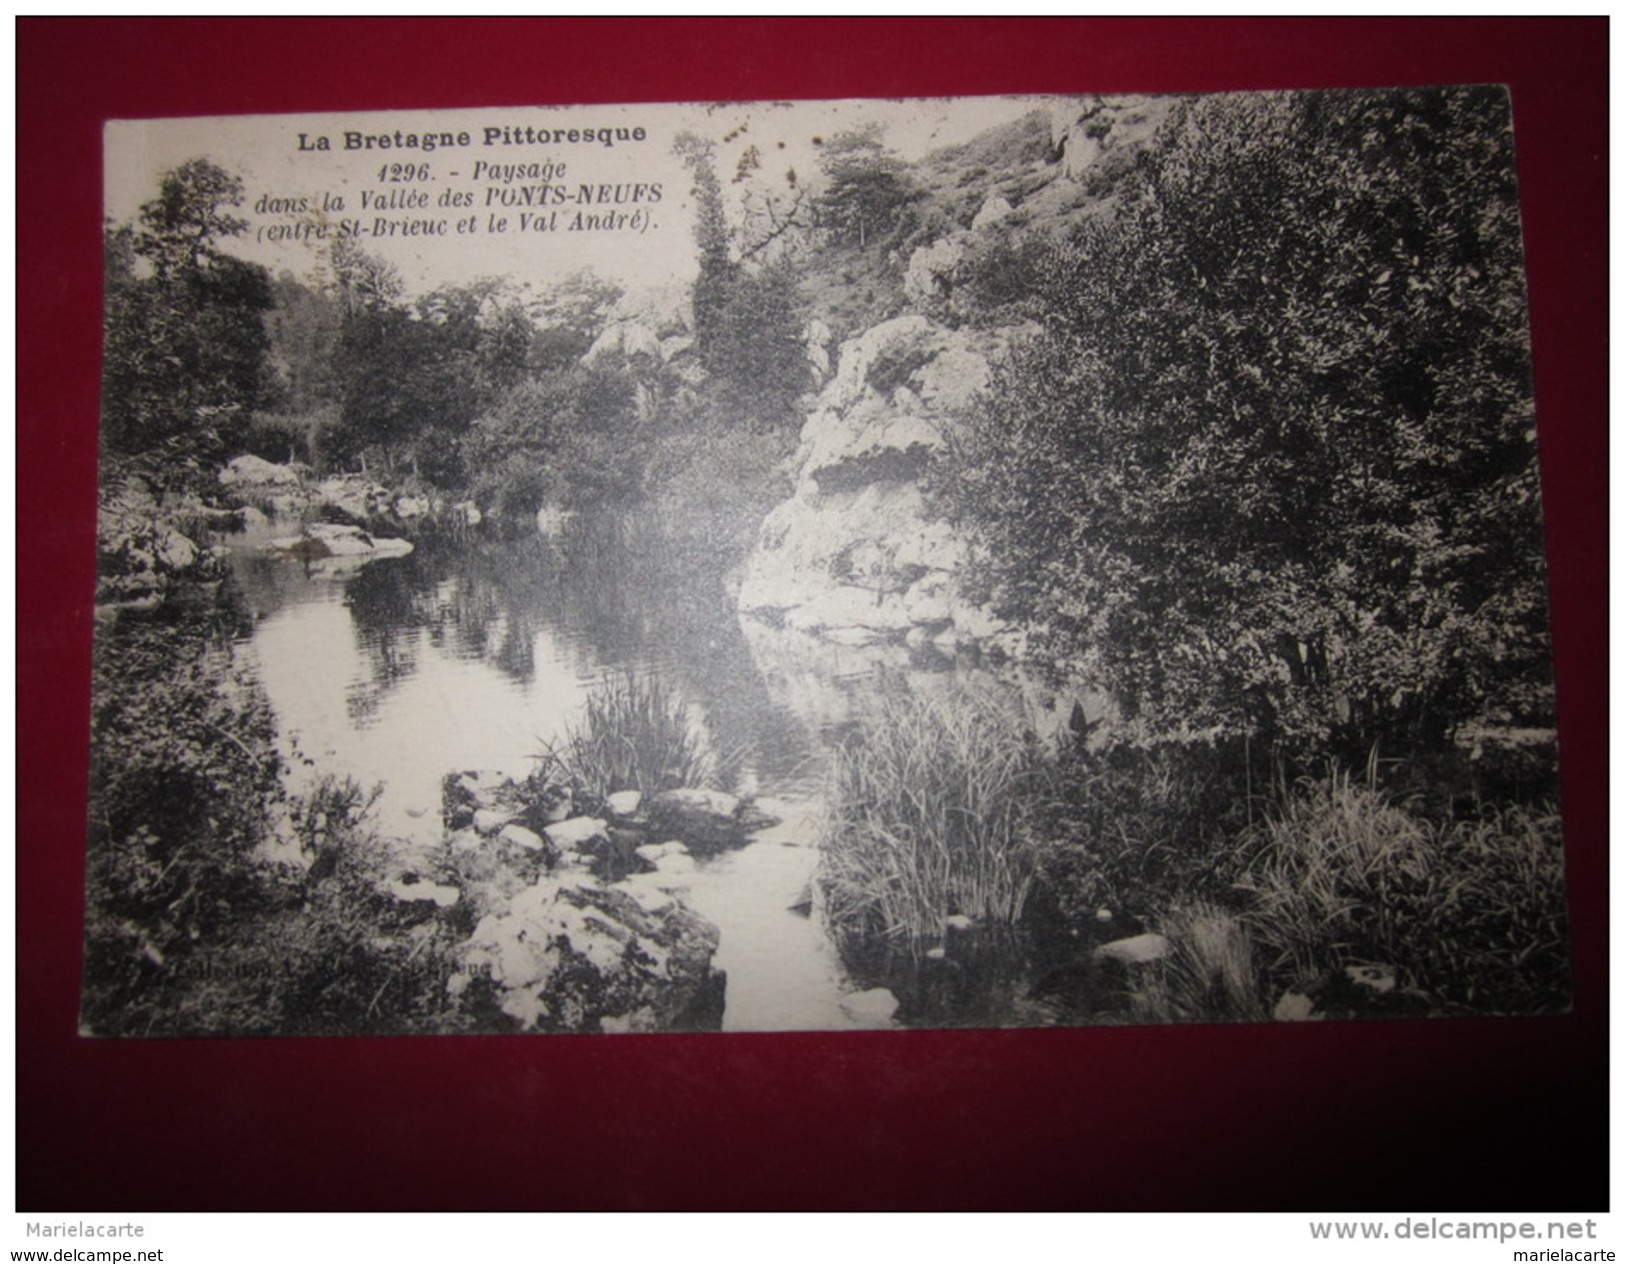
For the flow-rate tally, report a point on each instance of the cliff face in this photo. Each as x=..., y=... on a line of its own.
x=855, y=555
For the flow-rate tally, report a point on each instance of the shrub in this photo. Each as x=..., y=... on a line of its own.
x=1133, y=831
x=571, y=438
x=183, y=770
x=928, y=817
x=1270, y=468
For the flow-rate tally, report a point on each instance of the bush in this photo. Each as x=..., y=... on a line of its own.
x=1128, y=833
x=929, y=808
x=1270, y=469
x=183, y=770
x=1209, y=975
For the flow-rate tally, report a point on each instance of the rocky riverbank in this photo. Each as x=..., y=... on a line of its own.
x=578, y=919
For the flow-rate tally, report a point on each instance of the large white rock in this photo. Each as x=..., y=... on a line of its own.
x=255, y=471
x=854, y=555
x=346, y=541
x=579, y=833
x=518, y=835
x=624, y=803
x=993, y=211
x=570, y=954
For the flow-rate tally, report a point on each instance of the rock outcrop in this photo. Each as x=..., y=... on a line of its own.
x=1085, y=131
x=326, y=542
x=855, y=555
x=570, y=954
x=140, y=550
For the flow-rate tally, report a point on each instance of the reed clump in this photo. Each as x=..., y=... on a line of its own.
x=635, y=734
x=928, y=818
x=1474, y=911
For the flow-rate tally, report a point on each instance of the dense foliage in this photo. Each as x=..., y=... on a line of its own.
x=1269, y=469
x=747, y=325
x=185, y=339
x=570, y=437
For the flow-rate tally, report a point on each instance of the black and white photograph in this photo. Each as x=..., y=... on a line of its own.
x=974, y=562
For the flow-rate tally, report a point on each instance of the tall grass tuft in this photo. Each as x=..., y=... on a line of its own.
x=637, y=734
x=1472, y=912
x=927, y=820
x=1209, y=975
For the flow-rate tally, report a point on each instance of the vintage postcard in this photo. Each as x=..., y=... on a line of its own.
x=820, y=565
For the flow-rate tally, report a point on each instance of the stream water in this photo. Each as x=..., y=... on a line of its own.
x=474, y=655
x=401, y=670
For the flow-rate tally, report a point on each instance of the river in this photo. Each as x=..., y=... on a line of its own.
x=474, y=656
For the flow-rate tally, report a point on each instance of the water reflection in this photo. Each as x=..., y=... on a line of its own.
x=475, y=655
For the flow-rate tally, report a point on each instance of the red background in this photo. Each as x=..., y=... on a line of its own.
x=1402, y=1115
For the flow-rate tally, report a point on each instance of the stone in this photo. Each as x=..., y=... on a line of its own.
x=624, y=803
x=1135, y=950
x=873, y=1008
x=255, y=471
x=669, y=857
x=465, y=841
x=993, y=211
x=355, y=496
x=570, y=954
x=1295, y=1007
x=490, y=821
x=704, y=819
x=551, y=521
x=851, y=616
x=464, y=793
x=579, y=833
x=1357, y=991
x=858, y=518
x=353, y=541
x=518, y=835
x=337, y=540
x=931, y=268
x=676, y=345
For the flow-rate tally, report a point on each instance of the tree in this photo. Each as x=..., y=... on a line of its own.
x=184, y=354
x=747, y=322
x=867, y=187
x=568, y=317
x=570, y=438
x=718, y=271
x=1270, y=467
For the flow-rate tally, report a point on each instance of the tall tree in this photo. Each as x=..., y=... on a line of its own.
x=747, y=325
x=184, y=356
